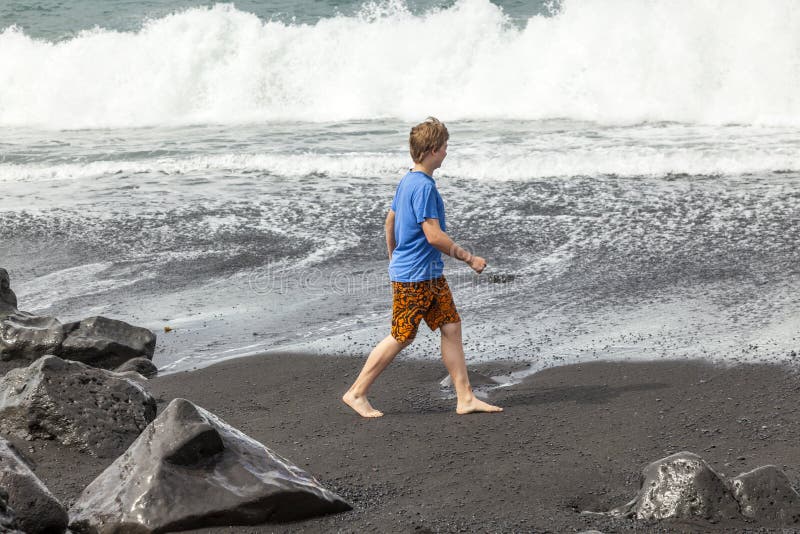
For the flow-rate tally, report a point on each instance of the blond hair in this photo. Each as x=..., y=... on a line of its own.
x=426, y=137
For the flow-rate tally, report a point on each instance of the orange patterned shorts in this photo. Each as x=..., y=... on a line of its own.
x=414, y=301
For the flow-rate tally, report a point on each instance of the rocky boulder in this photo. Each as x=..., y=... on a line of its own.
x=106, y=343
x=766, y=495
x=8, y=522
x=22, y=334
x=190, y=469
x=97, y=341
x=143, y=366
x=681, y=486
x=27, y=336
x=92, y=409
x=8, y=300
x=37, y=510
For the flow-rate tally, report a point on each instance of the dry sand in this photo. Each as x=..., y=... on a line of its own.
x=572, y=438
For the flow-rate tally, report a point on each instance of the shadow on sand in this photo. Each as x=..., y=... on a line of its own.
x=595, y=394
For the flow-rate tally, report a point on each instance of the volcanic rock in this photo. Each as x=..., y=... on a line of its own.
x=8, y=521
x=78, y=405
x=766, y=495
x=106, y=343
x=28, y=336
x=22, y=334
x=143, y=366
x=37, y=510
x=8, y=300
x=681, y=486
x=190, y=469
x=97, y=341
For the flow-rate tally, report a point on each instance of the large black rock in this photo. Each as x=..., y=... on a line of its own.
x=37, y=510
x=8, y=521
x=106, y=343
x=22, y=334
x=681, y=486
x=97, y=341
x=190, y=469
x=8, y=300
x=143, y=366
x=766, y=495
x=94, y=410
x=27, y=336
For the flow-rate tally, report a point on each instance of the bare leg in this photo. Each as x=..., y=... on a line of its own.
x=453, y=357
x=380, y=357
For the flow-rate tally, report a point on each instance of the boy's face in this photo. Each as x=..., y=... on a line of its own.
x=438, y=155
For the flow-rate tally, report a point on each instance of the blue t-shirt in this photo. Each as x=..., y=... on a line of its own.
x=415, y=200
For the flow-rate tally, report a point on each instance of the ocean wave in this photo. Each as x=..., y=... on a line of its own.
x=620, y=161
x=608, y=61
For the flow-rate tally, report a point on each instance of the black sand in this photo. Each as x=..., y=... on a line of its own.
x=572, y=438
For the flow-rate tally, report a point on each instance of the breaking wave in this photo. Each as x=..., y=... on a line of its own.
x=608, y=61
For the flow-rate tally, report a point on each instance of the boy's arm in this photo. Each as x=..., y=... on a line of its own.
x=442, y=242
x=388, y=227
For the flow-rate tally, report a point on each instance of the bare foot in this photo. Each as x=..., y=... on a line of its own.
x=361, y=405
x=476, y=405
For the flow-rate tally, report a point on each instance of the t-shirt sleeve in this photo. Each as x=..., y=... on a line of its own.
x=424, y=203
x=394, y=202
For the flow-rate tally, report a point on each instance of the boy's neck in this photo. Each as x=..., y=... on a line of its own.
x=419, y=167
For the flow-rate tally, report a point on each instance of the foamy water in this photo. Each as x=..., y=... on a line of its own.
x=618, y=62
x=629, y=169
x=486, y=150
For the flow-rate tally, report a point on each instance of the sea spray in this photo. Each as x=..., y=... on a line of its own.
x=607, y=61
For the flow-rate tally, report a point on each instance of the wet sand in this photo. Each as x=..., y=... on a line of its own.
x=572, y=438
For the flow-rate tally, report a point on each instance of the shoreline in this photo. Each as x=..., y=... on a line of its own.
x=572, y=438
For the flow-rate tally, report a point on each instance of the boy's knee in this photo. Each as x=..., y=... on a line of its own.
x=451, y=329
x=403, y=341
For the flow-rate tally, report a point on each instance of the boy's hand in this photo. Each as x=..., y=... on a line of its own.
x=477, y=263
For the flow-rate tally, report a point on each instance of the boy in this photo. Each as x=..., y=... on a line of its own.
x=415, y=236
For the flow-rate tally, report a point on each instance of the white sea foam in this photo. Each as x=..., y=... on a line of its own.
x=80, y=281
x=610, y=61
x=620, y=161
